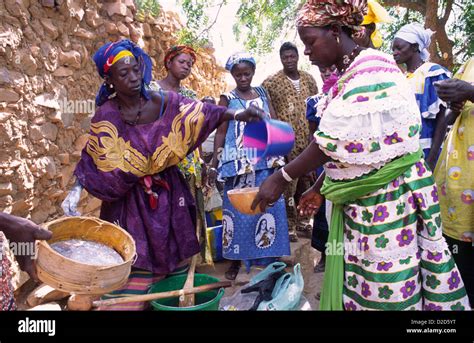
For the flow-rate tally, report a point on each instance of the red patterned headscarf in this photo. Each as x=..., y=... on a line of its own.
x=178, y=50
x=321, y=13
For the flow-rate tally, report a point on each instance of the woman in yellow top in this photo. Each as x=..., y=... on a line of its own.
x=371, y=37
x=454, y=174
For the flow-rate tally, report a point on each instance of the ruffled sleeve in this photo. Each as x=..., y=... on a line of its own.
x=371, y=115
x=422, y=82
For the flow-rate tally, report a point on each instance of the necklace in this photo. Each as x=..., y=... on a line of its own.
x=347, y=59
x=238, y=97
x=137, y=118
x=239, y=94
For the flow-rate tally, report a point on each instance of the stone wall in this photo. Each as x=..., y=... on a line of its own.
x=48, y=84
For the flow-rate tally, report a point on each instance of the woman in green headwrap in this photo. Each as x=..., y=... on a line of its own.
x=385, y=249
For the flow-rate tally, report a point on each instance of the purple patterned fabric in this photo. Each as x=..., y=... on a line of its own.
x=167, y=235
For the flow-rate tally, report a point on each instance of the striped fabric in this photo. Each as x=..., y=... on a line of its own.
x=395, y=255
x=139, y=282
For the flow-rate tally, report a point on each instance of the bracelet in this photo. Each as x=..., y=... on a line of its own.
x=237, y=112
x=285, y=175
x=213, y=169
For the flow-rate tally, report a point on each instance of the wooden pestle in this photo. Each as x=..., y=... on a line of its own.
x=155, y=296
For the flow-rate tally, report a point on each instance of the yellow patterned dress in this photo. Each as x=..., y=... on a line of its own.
x=455, y=169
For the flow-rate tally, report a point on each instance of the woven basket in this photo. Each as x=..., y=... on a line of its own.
x=71, y=276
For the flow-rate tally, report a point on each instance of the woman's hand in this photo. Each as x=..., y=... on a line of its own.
x=457, y=107
x=270, y=191
x=251, y=114
x=454, y=90
x=211, y=177
x=310, y=202
x=23, y=231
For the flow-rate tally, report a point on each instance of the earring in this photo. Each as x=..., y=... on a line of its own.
x=111, y=86
x=337, y=40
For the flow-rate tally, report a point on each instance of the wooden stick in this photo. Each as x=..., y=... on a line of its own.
x=188, y=300
x=162, y=295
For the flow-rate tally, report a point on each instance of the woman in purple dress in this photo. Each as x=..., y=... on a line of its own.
x=137, y=138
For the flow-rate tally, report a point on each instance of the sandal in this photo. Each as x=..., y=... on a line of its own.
x=233, y=270
x=304, y=227
x=320, y=267
x=293, y=237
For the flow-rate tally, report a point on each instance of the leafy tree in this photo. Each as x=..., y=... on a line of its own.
x=147, y=8
x=261, y=22
x=196, y=31
x=452, y=21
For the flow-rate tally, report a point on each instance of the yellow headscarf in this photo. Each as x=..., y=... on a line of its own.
x=376, y=14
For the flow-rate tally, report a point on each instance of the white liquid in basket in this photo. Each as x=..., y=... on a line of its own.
x=88, y=252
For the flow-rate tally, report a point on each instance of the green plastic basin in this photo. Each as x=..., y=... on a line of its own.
x=205, y=301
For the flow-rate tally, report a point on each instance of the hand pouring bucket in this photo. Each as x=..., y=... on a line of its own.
x=268, y=138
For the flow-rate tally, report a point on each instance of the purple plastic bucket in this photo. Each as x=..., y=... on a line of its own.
x=268, y=138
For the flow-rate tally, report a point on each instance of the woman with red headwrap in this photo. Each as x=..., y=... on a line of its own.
x=178, y=62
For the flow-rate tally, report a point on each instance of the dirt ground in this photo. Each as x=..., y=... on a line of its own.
x=301, y=252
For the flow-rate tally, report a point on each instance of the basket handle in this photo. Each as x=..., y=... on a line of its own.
x=135, y=257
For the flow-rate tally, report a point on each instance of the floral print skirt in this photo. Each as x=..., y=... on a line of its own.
x=395, y=255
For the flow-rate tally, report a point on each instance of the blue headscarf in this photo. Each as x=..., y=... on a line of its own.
x=111, y=52
x=239, y=57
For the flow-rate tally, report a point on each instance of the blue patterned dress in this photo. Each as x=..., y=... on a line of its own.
x=248, y=237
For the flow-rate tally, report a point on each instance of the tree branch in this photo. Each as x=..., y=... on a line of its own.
x=461, y=51
x=215, y=19
x=417, y=5
x=459, y=5
x=447, y=12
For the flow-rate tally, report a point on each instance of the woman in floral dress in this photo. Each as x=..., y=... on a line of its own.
x=385, y=249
